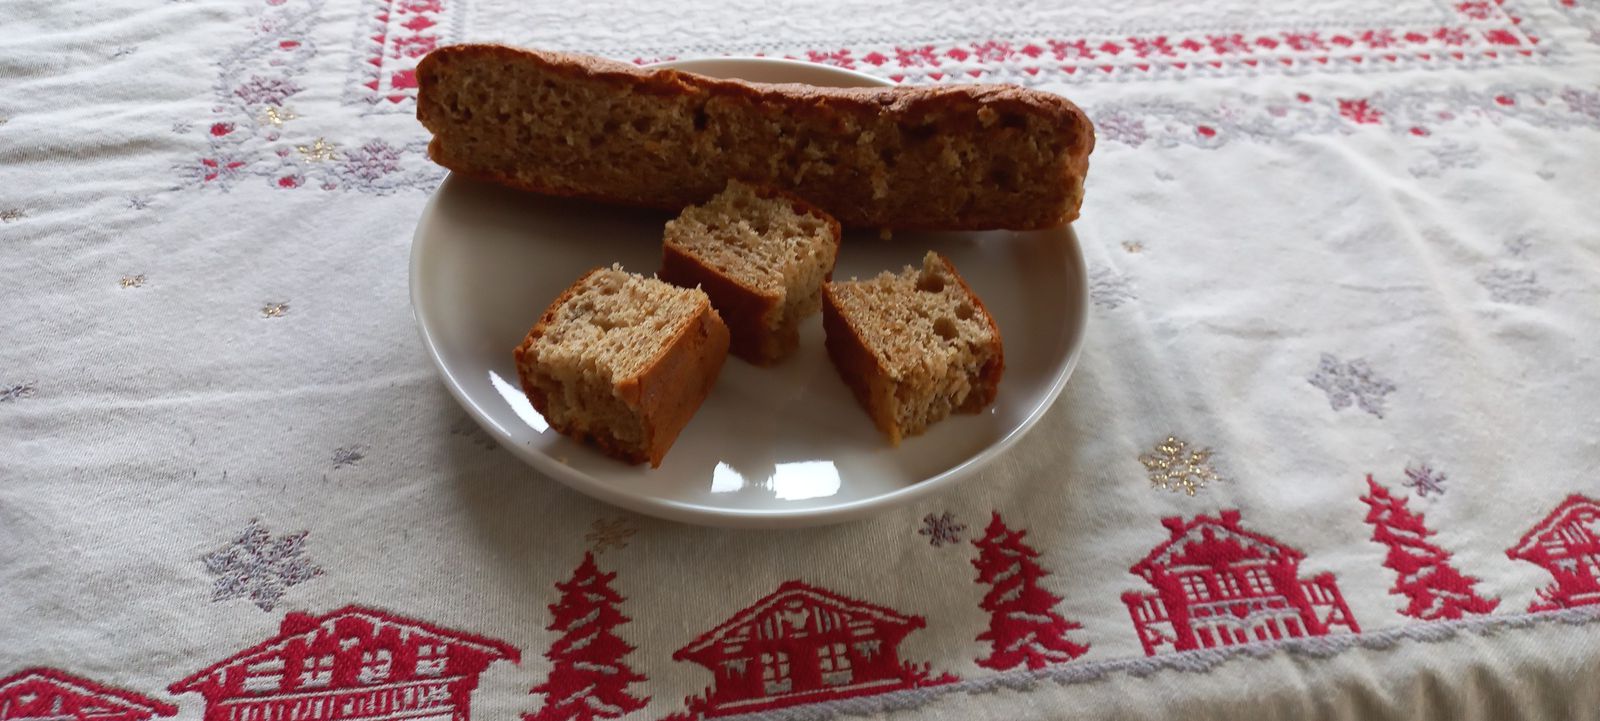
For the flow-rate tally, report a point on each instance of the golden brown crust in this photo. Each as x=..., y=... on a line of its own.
x=743, y=308
x=868, y=380
x=675, y=383
x=665, y=394
x=959, y=108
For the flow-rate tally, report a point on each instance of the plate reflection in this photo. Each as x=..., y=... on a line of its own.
x=796, y=481
x=519, y=403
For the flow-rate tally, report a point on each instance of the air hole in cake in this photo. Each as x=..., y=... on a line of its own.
x=930, y=284
x=945, y=328
x=701, y=119
x=641, y=124
x=965, y=311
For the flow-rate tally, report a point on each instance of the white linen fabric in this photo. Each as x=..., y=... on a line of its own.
x=1328, y=240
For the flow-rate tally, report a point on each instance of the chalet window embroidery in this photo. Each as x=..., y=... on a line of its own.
x=834, y=662
x=264, y=676
x=375, y=665
x=1195, y=588
x=431, y=659
x=775, y=672
x=318, y=671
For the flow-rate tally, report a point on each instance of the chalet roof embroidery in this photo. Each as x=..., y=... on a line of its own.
x=49, y=693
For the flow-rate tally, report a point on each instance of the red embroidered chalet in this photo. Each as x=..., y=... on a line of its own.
x=1567, y=544
x=354, y=663
x=45, y=694
x=799, y=645
x=1219, y=585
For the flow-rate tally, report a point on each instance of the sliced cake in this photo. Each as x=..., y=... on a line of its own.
x=913, y=346
x=762, y=256
x=622, y=361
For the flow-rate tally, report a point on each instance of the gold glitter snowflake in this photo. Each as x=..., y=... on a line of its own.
x=318, y=151
x=609, y=533
x=1174, y=466
x=275, y=310
x=1133, y=246
x=276, y=117
x=132, y=281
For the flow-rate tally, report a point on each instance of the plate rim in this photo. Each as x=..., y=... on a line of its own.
x=778, y=518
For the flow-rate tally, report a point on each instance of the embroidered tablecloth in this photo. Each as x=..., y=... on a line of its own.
x=1330, y=453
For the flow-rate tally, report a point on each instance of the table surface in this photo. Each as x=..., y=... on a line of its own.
x=1330, y=452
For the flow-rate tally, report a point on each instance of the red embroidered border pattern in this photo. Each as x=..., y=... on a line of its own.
x=1472, y=32
x=396, y=33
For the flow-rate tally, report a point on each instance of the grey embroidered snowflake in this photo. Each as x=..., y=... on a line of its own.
x=1424, y=480
x=1174, y=466
x=1108, y=289
x=1447, y=156
x=182, y=128
x=941, y=529
x=1351, y=383
x=138, y=202
x=132, y=281
x=1165, y=176
x=1133, y=246
x=371, y=161
x=1518, y=247
x=259, y=567
x=1124, y=128
x=347, y=456
x=10, y=214
x=608, y=533
x=1583, y=102
x=275, y=310
x=16, y=392
x=1511, y=285
x=265, y=91
x=124, y=51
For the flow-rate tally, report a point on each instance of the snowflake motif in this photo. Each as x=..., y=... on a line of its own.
x=1165, y=176
x=1510, y=285
x=276, y=117
x=1585, y=102
x=259, y=567
x=318, y=151
x=182, y=128
x=347, y=456
x=1133, y=246
x=1122, y=127
x=132, y=281
x=605, y=534
x=1174, y=466
x=1108, y=289
x=1447, y=156
x=941, y=529
x=370, y=162
x=16, y=392
x=1424, y=480
x=265, y=91
x=138, y=202
x=1545, y=174
x=1353, y=382
x=124, y=51
x=1518, y=247
x=11, y=214
x=275, y=310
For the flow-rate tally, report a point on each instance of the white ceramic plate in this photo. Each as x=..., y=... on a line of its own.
x=776, y=447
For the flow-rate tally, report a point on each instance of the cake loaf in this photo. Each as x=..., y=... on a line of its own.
x=958, y=157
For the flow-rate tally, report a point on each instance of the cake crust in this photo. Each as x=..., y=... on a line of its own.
x=891, y=123
x=664, y=395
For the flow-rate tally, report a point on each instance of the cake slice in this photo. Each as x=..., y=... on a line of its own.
x=762, y=256
x=622, y=361
x=914, y=346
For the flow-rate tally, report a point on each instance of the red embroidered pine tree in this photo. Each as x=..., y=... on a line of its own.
x=590, y=680
x=1023, y=624
x=1435, y=589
